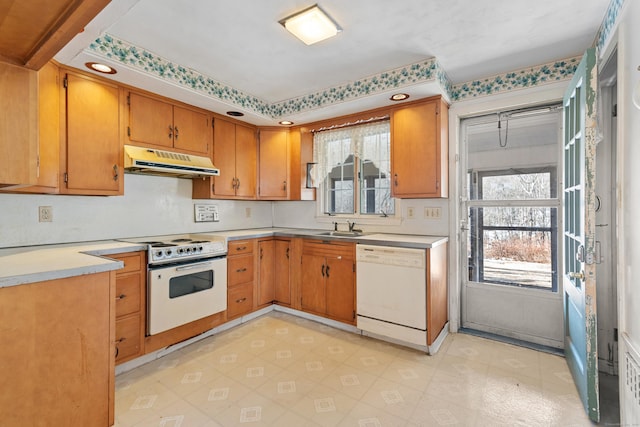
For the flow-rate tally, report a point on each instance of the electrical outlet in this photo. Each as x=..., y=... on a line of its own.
x=45, y=213
x=247, y=212
x=410, y=213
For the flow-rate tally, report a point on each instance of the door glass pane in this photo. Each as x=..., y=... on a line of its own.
x=513, y=246
x=521, y=186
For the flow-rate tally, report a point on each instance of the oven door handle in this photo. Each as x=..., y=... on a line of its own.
x=192, y=266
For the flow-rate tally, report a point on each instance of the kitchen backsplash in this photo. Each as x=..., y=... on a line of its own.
x=154, y=205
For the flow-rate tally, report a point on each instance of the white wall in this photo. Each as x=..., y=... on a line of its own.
x=628, y=190
x=150, y=206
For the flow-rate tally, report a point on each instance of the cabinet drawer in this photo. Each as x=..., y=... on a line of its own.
x=132, y=262
x=127, y=294
x=239, y=300
x=240, y=247
x=128, y=337
x=239, y=269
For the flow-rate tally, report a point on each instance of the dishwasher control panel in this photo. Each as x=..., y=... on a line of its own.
x=388, y=255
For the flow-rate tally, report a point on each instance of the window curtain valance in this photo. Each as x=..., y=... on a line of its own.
x=331, y=148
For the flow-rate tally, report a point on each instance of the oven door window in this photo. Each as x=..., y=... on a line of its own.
x=190, y=283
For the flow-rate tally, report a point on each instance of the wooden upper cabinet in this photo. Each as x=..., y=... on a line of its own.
x=150, y=121
x=159, y=124
x=93, y=154
x=191, y=130
x=32, y=32
x=419, y=149
x=18, y=125
x=235, y=155
x=274, y=165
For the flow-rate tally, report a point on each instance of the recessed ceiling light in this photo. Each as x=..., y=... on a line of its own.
x=311, y=25
x=101, y=68
x=235, y=113
x=399, y=97
x=285, y=122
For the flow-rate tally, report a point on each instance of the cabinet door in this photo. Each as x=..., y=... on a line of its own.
x=273, y=165
x=224, y=157
x=416, y=156
x=282, y=273
x=191, y=130
x=340, y=289
x=49, y=126
x=246, y=162
x=93, y=150
x=312, y=286
x=150, y=121
x=18, y=125
x=266, y=279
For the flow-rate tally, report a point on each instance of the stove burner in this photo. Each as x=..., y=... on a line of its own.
x=162, y=245
x=181, y=240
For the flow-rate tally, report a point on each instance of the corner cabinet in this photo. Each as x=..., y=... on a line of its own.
x=419, y=149
x=235, y=154
x=274, y=272
x=57, y=352
x=156, y=123
x=92, y=158
x=327, y=285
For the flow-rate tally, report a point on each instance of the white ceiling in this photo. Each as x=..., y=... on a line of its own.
x=240, y=44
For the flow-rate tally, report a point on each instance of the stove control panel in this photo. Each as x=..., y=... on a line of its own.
x=192, y=250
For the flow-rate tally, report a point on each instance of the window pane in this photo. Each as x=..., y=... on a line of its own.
x=375, y=188
x=508, y=185
x=513, y=246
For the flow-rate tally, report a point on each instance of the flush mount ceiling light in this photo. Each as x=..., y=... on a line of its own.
x=235, y=113
x=399, y=96
x=285, y=122
x=311, y=25
x=101, y=68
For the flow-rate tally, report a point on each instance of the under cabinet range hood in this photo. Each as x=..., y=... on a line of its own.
x=151, y=161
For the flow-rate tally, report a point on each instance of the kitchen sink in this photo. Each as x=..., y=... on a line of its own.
x=342, y=233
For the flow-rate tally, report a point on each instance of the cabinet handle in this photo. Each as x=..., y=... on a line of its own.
x=115, y=172
x=241, y=248
x=121, y=296
x=322, y=270
x=241, y=300
x=120, y=340
x=237, y=183
x=284, y=185
x=395, y=179
x=287, y=253
x=260, y=253
x=117, y=351
x=170, y=132
x=241, y=270
x=176, y=131
x=327, y=271
x=437, y=184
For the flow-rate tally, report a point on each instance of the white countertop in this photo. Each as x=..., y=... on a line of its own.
x=28, y=265
x=40, y=263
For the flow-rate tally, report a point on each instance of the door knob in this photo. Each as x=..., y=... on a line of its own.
x=577, y=275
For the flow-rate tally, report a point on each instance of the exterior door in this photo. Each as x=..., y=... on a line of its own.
x=579, y=268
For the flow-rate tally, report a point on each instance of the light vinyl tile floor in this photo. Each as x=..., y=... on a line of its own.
x=281, y=370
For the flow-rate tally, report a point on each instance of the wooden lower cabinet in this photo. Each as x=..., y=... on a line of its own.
x=58, y=352
x=241, y=277
x=274, y=276
x=131, y=286
x=327, y=285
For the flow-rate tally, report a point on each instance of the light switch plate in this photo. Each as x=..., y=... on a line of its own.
x=206, y=213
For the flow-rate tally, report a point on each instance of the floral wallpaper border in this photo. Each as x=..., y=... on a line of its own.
x=527, y=77
x=428, y=70
x=609, y=21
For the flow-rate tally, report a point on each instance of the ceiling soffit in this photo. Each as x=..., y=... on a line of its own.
x=122, y=53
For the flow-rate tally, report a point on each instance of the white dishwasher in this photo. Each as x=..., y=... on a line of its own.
x=392, y=292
